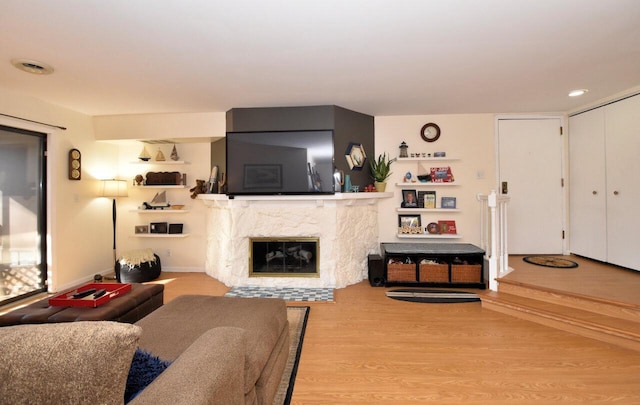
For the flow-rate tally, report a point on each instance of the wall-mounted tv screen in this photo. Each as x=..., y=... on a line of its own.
x=280, y=162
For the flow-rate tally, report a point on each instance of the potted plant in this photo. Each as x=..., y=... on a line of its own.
x=380, y=171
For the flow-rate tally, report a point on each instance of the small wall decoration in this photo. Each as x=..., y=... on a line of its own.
x=448, y=202
x=433, y=228
x=174, y=153
x=75, y=170
x=355, y=156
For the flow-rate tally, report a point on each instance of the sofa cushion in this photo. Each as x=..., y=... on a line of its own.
x=145, y=367
x=79, y=362
x=170, y=329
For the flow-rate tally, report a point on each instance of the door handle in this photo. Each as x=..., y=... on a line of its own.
x=505, y=187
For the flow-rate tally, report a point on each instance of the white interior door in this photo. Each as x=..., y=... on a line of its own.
x=587, y=188
x=623, y=182
x=530, y=166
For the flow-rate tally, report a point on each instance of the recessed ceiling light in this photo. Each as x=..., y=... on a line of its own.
x=32, y=66
x=577, y=93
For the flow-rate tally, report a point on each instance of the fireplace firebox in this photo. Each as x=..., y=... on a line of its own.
x=286, y=257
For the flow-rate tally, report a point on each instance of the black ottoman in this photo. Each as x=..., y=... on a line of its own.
x=146, y=271
x=130, y=307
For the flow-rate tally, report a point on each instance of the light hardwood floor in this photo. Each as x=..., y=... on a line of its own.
x=366, y=348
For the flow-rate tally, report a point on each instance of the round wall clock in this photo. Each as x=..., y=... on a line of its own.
x=75, y=165
x=430, y=132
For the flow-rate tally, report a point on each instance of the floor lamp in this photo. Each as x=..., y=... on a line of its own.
x=114, y=188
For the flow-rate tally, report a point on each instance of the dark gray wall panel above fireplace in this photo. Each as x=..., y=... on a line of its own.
x=348, y=126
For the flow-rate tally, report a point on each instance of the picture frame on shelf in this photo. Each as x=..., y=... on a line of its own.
x=441, y=175
x=139, y=229
x=447, y=227
x=409, y=224
x=448, y=202
x=409, y=199
x=429, y=199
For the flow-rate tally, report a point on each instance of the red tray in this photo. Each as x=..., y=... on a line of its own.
x=113, y=290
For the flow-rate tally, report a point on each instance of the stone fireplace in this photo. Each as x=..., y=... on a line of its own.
x=344, y=224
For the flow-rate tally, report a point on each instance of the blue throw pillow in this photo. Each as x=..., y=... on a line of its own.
x=145, y=367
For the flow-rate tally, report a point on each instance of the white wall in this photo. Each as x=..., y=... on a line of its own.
x=79, y=233
x=467, y=137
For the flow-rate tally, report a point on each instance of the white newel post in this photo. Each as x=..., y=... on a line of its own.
x=493, y=236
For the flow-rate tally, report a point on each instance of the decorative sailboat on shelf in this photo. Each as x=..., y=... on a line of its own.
x=174, y=153
x=160, y=156
x=159, y=201
x=144, y=155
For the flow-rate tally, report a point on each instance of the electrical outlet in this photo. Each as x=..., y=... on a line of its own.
x=168, y=252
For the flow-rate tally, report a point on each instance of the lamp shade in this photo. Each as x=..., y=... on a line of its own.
x=114, y=188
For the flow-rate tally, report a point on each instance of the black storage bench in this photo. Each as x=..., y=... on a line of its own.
x=434, y=264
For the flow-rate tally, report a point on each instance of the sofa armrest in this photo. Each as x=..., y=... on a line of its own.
x=210, y=371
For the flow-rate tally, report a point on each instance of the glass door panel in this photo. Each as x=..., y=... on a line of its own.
x=22, y=214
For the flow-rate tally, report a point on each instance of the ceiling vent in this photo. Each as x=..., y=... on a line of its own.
x=32, y=66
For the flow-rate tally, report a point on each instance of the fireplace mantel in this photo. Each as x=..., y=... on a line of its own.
x=345, y=223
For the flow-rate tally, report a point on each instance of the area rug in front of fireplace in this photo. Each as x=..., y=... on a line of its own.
x=286, y=293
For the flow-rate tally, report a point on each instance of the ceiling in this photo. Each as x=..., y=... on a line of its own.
x=379, y=57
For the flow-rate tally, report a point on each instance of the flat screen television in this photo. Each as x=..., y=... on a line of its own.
x=280, y=162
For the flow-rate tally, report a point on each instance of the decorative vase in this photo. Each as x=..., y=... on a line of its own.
x=380, y=186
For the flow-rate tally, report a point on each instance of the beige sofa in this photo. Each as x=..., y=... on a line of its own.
x=223, y=351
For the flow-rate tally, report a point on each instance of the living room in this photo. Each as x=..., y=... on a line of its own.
x=109, y=135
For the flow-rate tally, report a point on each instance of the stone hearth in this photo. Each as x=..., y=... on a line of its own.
x=346, y=225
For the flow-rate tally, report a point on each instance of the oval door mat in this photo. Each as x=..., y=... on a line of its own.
x=549, y=261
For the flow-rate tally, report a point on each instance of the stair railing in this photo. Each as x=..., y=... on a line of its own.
x=493, y=235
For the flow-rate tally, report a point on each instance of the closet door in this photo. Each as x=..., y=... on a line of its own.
x=587, y=185
x=623, y=182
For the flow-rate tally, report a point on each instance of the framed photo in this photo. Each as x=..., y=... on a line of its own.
x=262, y=176
x=142, y=229
x=409, y=224
x=441, y=174
x=447, y=227
x=409, y=199
x=448, y=202
x=409, y=220
x=429, y=199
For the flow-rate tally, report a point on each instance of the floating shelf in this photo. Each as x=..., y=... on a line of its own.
x=161, y=235
x=426, y=159
x=176, y=186
x=428, y=236
x=164, y=162
x=427, y=184
x=165, y=211
x=440, y=210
